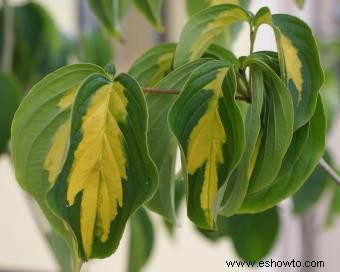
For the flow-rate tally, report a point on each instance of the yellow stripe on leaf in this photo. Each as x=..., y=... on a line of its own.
x=99, y=165
x=57, y=154
x=222, y=20
x=205, y=146
x=293, y=64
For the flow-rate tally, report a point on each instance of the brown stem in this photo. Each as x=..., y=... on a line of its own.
x=176, y=92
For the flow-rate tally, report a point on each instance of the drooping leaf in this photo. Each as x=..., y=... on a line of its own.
x=311, y=191
x=141, y=240
x=40, y=136
x=334, y=207
x=303, y=155
x=10, y=96
x=232, y=195
x=153, y=70
x=202, y=29
x=96, y=49
x=36, y=45
x=110, y=13
x=108, y=173
x=299, y=61
x=300, y=3
x=275, y=134
x=254, y=235
x=209, y=128
x=152, y=10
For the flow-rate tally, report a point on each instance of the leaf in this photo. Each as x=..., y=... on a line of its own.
x=96, y=49
x=334, y=207
x=209, y=128
x=153, y=65
x=303, y=155
x=311, y=191
x=299, y=60
x=254, y=235
x=152, y=69
x=108, y=173
x=300, y=3
x=141, y=240
x=202, y=29
x=152, y=10
x=232, y=195
x=276, y=131
x=110, y=13
x=10, y=96
x=36, y=42
x=228, y=36
x=39, y=137
x=218, y=52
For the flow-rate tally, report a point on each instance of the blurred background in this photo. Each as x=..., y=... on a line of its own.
x=60, y=32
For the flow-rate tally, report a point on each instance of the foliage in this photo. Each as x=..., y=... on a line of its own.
x=96, y=150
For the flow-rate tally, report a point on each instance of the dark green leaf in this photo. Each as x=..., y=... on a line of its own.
x=141, y=240
x=10, y=96
x=110, y=13
x=303, y=155
x=254, y=235
x=152, y=10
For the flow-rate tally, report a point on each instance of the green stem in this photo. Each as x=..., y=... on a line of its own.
x=329, y=171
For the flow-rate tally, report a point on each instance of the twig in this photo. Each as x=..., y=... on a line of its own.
x=329, y=171
x=176, y=92
x=8, y=46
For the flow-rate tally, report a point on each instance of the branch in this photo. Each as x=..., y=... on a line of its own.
x=176, y=92
x=329, y=171
x=7, y=50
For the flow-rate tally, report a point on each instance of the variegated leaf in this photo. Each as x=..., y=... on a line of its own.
x=40, y=136
x=299, y=61
x=151, y=70
x=209, y=128
x=108, y=173
x=202, y=29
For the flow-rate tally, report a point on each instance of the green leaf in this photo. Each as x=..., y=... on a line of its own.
x=153, y=65
x=303, y=155
x=36, y=42
x=228, y=36
x=202, y=29
x=300, y=3
x=96, y=49
x=254, y=235
x=96, y=194
x=334, y=207
x=61, y=251
x=233, y=194
x=275, y=134
x=299, y=60
x=39, y=137
x=152, y=70
x=218, y=52
x=201, y=118
x=152, y=10
x=311, y=191
x=10, y=96
x=141, y=240
x=110, y=13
